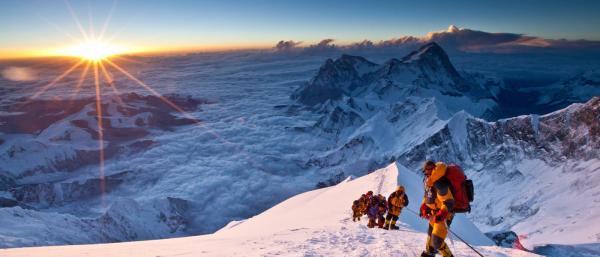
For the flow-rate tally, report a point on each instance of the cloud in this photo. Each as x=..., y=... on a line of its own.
x=15, y=73
x=286, y=45
x=470, y=40
x=325, y=43
x=394, y=43
x=291, y=46
x=463, y=40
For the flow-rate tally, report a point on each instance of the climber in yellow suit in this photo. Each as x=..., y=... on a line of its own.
x=437, y=207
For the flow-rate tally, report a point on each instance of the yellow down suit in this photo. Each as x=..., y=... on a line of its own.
x=438, y=199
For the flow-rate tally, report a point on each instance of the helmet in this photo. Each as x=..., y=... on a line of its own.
x=374, y=200
x=370, y=193
x=400, y=188
x=428, y=163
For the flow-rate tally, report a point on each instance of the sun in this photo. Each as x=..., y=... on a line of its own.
x=99, y=58
x=93, y=50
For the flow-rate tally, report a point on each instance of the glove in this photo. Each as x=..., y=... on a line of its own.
x=441, y=215
x=424, y=211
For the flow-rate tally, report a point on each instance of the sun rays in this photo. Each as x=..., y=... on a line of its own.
x=92, y=50
x=102, y=62
x=95, y=58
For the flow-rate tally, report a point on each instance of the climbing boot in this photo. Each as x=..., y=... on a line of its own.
x=393, y=225
x=427, y=254
x=445, y=250
x=386, y=225
x=371, y=223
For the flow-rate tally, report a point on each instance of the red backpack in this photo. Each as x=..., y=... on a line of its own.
x=461, y=187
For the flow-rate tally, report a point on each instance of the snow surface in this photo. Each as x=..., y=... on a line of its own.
x=315, y=223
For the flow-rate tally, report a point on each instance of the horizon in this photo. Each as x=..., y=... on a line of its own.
x=46, y=28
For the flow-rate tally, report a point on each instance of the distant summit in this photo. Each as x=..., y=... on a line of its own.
x=425, y=72
x=435, y=58
x=428, y=51
x=453, y=29
x=335, y=79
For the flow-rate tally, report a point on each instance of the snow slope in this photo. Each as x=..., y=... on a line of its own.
x=315, y=223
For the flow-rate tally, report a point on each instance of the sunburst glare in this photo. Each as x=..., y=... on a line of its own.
x=92, y=50
x=94, y=53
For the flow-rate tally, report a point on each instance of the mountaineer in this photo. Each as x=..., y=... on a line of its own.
x=447, y=191
x=373, y=211
x=396, y=201
x=437, y=206
x=356, y=210
x=363, y=204
x=381, y=210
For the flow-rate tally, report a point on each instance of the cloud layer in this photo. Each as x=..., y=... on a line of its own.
x=456, y=39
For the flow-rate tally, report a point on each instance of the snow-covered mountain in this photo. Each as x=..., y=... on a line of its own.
x=61, y=135
x=46, y=143
x=315, y=223
x=575, y=89
x=524, y=168
x=125, y=220
x=426, y=72
x=530, y=158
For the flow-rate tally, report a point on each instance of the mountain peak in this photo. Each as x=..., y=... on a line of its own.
x=452, y=29
x=427, y=51
x=433, y=58
x=353, y=59
x=334, y=79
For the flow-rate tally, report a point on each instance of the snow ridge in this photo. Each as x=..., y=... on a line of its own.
x=316, y=223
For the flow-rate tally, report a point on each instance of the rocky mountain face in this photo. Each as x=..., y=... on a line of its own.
x=336, y=79
x=565, y=134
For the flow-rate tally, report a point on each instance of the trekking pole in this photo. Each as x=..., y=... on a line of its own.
x=459, y=238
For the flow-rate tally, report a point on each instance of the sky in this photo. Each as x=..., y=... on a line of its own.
x=32, y=27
